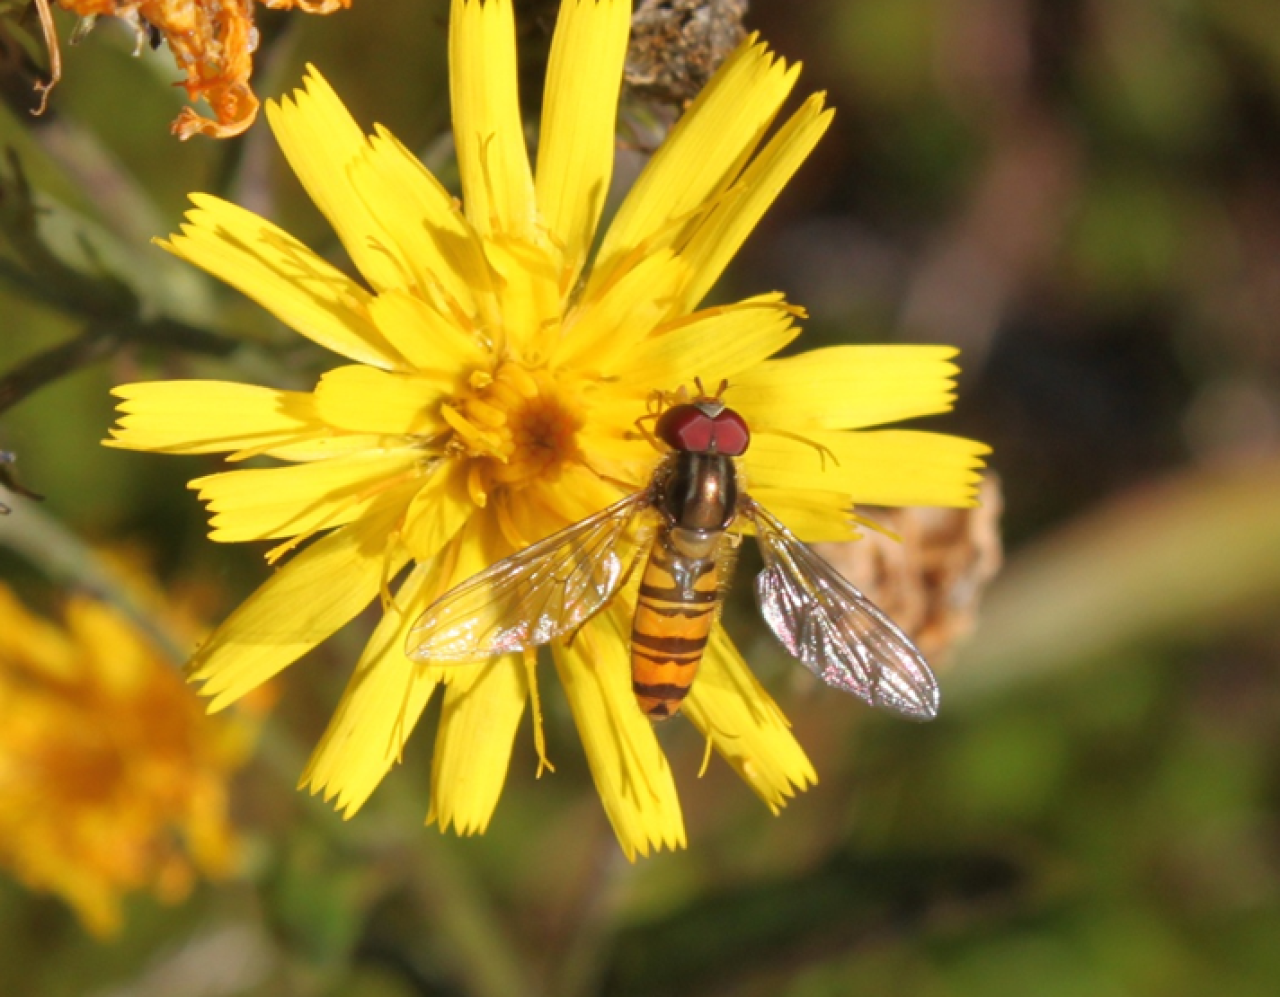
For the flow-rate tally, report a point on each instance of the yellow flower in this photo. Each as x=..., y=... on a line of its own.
x=499, y=368
x=112, y=777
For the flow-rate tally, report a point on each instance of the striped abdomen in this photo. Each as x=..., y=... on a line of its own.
x=674, y=614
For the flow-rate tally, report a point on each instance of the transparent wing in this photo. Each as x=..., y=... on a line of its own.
x=542, y=592
x=836, y=631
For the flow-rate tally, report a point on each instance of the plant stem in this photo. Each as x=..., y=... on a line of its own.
x=98, y=342
x=586, y=957
x=451, y=900
x=64, y=557
x=460, y=910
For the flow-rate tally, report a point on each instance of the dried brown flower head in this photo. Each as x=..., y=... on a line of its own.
x=931, y=581
x=677, y=44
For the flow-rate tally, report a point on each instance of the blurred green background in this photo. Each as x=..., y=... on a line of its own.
x=1083, y=195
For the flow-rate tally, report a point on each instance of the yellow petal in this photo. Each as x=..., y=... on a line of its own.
x=482, y=711
x=493, y=161
x=323, y=143
x=615, y=452
x=209, y=416
x=552, y=505
x=630, y=771
x=305, y=602
x=439, y=510
x=482, y=707
x=335, y=443
x=702, y=156
x=129, y=665
x=730, y=706
x=600, y=334
x=846, y=387
x=883, y=467
x=726, y=227
x=713, y=344
x=434, y=344
x=443, y=252
x=286, y=278
x=579, y=114
x=367, y=400
x=529, y=297
x=285, y=501
x=813, y=516
x=28, y=642
x=381, y=705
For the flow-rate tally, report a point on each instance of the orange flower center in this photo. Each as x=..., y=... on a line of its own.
x=518, y=425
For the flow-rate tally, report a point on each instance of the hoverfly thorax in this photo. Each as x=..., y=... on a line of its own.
x=699, y=492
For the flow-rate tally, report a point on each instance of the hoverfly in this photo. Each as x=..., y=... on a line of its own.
x=550, y=589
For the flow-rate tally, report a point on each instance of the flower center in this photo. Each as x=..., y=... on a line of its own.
x=519, y=425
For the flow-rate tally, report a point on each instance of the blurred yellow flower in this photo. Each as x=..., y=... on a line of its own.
x=499, y=368
x=112, y=777
x=212, y=41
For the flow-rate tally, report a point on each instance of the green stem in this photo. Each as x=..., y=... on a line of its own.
x=445, y=890
x=65, y=558
x=459, y=908
x=97, y=343
x=587, y=955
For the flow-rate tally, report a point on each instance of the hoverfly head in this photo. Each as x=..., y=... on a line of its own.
x=705, y=425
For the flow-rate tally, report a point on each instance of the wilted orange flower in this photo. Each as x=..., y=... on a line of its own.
x=112, y=777
x=213, y=43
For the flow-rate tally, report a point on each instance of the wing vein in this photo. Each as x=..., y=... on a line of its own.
x=532, y=597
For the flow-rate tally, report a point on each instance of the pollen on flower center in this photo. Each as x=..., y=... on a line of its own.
x=522, y=424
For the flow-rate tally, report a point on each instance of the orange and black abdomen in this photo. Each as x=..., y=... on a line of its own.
x=674, y=615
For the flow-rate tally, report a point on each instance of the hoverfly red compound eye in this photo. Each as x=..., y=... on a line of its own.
x=732, y=437
x=686, y=428
x=691, y=429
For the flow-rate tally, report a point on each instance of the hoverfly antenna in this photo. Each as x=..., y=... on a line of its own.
x=705, y=395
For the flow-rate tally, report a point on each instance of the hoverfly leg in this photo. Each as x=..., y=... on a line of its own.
x=654, y=405
x=644, y=433
x=824, y=451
